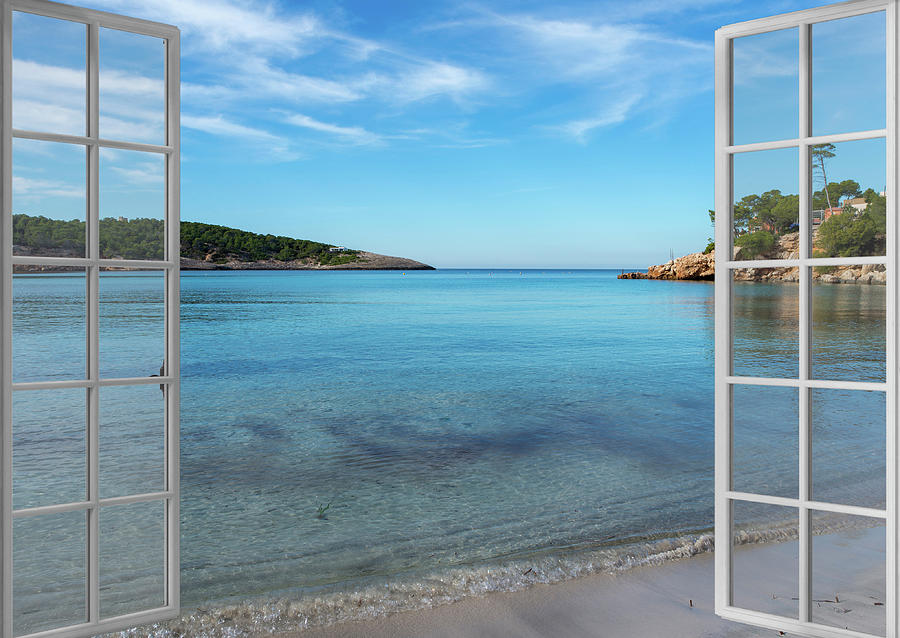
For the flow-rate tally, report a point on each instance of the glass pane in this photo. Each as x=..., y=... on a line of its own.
x=848, y=335
x=49, y=326
x=766, y=422
x=848, y=447
x=132, y=205
x=132, y=558
x=49, y=74
x=765, y=325
x=49, y=572
x=132, y=440
x=849, y=217
x=132, y=323
x=848, y=74
x=48, y=199
x=766, y=205
x=49, y=449
x=848, y=579
x=766, y=569
x=132, y=87
x=766, y=77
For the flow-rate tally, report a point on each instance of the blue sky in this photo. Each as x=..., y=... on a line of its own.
x=463, y=134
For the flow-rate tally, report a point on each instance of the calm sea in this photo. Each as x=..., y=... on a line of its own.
x=468, y=431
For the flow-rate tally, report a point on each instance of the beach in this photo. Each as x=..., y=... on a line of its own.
x=672, y=600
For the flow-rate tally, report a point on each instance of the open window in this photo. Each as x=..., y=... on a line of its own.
x=90, y=387
x=795, y=383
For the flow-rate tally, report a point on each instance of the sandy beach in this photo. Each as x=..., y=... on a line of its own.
x=674, y=600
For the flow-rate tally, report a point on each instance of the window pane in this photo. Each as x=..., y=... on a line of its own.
x=766, y=77
x=765, y=444
x=848, y=579
x=49, y=326
x=49, y=200
x=132, y=205
x=132, y=323
x=49, y=74
x=132, y=87
x=848, y=448
x=49, y=572
x=766, y=205
x=132, y=440
x=766, y=569
x=132, y=558
x=765, y=325
x=848, y=74
x=49, y=447
x=849, y=218
x=848, y=336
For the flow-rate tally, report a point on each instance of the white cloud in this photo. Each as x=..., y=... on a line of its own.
x=353, y=134
x=616, y=113
x=230, y=27
x=35, y=188
x=428, y=79
x=270, y=145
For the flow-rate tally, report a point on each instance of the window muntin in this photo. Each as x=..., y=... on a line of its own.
x=111, y=125
x=818, y=374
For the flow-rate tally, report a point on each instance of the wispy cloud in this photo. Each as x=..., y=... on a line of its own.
x=351, y=134
x=30, y=187
x=615, y=113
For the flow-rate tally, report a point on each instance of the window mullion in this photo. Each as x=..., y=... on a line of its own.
x=93, y=323
x=805, y=327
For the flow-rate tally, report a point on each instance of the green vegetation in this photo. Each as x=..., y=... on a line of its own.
x=759, y=220
x=222, y=242
x=755, y=243
x=321, y=509
x=144, y=239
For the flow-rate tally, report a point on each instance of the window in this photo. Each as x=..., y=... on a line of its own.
x=90, y=391
x=801, y=368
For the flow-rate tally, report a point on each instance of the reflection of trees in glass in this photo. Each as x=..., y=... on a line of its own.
x=759, y=220
x=820, y=153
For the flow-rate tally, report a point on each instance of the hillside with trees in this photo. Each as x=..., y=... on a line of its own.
x=144, y=239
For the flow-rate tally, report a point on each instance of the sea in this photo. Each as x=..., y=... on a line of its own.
x=360, y=442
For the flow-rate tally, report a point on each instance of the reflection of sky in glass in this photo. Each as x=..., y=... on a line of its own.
x=766, y=105
x=762, y=171
x=48, y=179
x=132, y=184
x=132, y=87
x=48, y=74
x=848, y=70
x=860, y=160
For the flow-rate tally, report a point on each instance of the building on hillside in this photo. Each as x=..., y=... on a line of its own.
x=859, y=203
x=337, y=249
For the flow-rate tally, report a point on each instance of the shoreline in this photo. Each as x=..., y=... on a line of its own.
x=359, y=607
x=669, y=601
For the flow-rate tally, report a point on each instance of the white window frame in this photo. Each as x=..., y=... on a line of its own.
x=92, y=263
x=725, y=496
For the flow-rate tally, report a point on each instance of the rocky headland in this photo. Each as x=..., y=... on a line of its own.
x=702, y=267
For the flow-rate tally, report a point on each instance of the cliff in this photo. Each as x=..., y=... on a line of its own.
x=702, y=267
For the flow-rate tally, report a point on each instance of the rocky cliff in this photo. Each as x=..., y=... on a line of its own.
x=702, y=267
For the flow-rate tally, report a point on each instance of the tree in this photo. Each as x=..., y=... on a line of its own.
x=821, y=152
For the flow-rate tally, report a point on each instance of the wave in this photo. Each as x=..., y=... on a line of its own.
x=367, y=599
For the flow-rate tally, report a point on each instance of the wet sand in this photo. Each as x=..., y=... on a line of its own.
x=670, y=601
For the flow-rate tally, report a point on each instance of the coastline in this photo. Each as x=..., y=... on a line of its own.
x=367, y=261
x=669, y=601
x=702, y=267
x=611, y=587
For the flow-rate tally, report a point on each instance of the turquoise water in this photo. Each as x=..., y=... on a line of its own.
x=464, y=426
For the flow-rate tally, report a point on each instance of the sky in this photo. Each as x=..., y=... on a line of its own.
x=572, y=134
